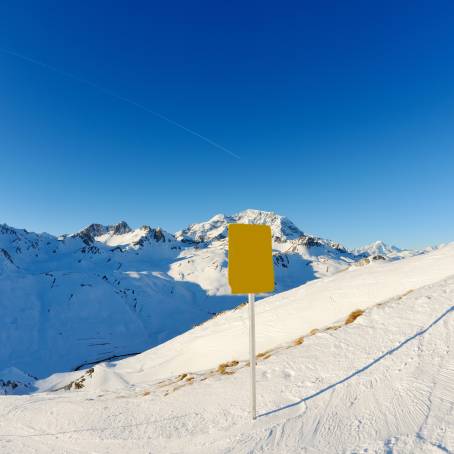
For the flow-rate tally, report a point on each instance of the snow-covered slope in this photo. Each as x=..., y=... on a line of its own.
x=383, y=383
x=110, y=291
x=285, y=316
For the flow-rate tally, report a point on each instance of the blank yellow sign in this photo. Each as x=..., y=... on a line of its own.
x=250, y=259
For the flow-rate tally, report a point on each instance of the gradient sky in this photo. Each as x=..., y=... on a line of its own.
x=341, y=113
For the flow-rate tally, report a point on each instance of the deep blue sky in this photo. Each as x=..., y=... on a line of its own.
x=342, y=114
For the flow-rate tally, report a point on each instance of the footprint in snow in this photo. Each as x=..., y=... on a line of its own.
x=266, y=375
x=288, y=374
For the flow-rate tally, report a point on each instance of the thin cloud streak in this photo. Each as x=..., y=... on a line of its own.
x=122, y=98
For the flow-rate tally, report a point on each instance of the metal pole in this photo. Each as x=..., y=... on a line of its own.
x=252, y=359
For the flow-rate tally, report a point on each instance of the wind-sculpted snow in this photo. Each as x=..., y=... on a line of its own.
x=110, y=291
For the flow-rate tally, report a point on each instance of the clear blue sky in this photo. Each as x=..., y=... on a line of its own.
x=342, y=114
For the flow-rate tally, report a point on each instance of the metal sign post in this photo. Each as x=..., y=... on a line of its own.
x=252, y=357
x=251, y=272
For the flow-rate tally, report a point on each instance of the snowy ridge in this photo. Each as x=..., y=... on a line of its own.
x=216, y=228
x=109, y=291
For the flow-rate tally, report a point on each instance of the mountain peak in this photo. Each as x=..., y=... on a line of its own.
x=282, y=228
x=216, y=227
x=120, y=229
x=378, y=248
x=95, y=229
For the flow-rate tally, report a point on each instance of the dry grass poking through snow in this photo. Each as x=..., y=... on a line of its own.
x=224, y=367
x=228, y=368
x=298, y=341
x=231, y=367
x=405, y=294
x=353, y=316
x=333, y=327
x=172, y=384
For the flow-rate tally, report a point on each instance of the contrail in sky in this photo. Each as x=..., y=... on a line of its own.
x=121, y=98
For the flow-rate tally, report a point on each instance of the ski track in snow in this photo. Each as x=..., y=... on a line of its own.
x=384, y=384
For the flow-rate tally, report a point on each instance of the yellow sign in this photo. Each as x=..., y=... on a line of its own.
x=250, y=259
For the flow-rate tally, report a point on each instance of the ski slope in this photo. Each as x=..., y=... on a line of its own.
x=382, y=384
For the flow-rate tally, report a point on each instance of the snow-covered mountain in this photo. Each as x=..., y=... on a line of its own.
x=359, y=362
x=110, y=291
x=381, y=249
x=298, y=257
x=216, y=228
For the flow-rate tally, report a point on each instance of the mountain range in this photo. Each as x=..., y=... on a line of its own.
x=110, y=291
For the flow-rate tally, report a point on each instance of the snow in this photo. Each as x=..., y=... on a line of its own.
x=120, y=240
x=111, y=291
x=382, y=249
x=216, y=227
x=382, y=384
x=286, y=316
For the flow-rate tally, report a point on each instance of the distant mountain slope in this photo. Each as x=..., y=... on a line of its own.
x=379, y=248
x=108, y=291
